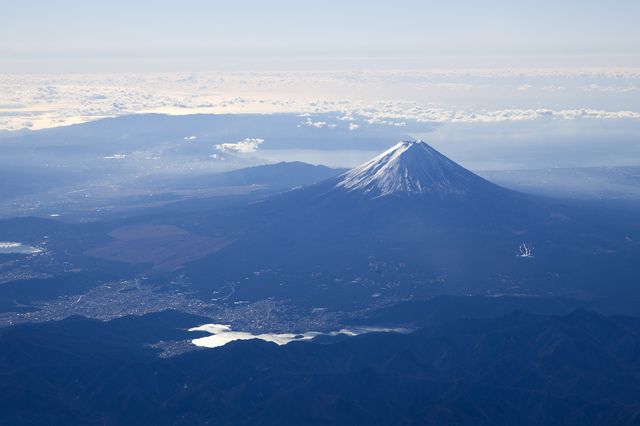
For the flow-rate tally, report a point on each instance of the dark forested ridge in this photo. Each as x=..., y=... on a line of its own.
x=578, y=368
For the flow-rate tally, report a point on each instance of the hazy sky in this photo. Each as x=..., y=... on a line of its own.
x=159, y=36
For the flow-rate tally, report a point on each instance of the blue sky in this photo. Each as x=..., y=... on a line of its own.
x=145, y=36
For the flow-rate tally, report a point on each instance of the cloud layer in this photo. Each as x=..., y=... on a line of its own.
x=40, y=101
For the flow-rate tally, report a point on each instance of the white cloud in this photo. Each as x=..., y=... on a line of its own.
x=456, y=86
x=246, y=146
x=391, y=97
x=317, y=124
x=353, y=126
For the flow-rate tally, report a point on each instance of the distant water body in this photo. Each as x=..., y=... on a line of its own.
x=222, y=334
x=11, y=247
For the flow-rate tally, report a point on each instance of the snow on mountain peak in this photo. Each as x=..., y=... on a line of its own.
x=411, y=167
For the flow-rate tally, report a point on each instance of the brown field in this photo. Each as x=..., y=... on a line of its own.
x=166, y=246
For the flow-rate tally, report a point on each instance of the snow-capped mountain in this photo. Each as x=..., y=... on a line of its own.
x=412, y=167
x=409, y=223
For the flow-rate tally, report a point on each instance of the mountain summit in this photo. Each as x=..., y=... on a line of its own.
x=411, y=224
x=411, y=168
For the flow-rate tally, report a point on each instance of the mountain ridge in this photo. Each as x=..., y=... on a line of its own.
x=518, y=368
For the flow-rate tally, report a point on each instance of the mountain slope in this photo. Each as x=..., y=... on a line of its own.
x=413, y=224
x=276, y=176
x=413, y=167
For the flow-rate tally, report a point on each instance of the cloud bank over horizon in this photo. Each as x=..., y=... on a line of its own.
x=588, y=109
x=42, y=101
